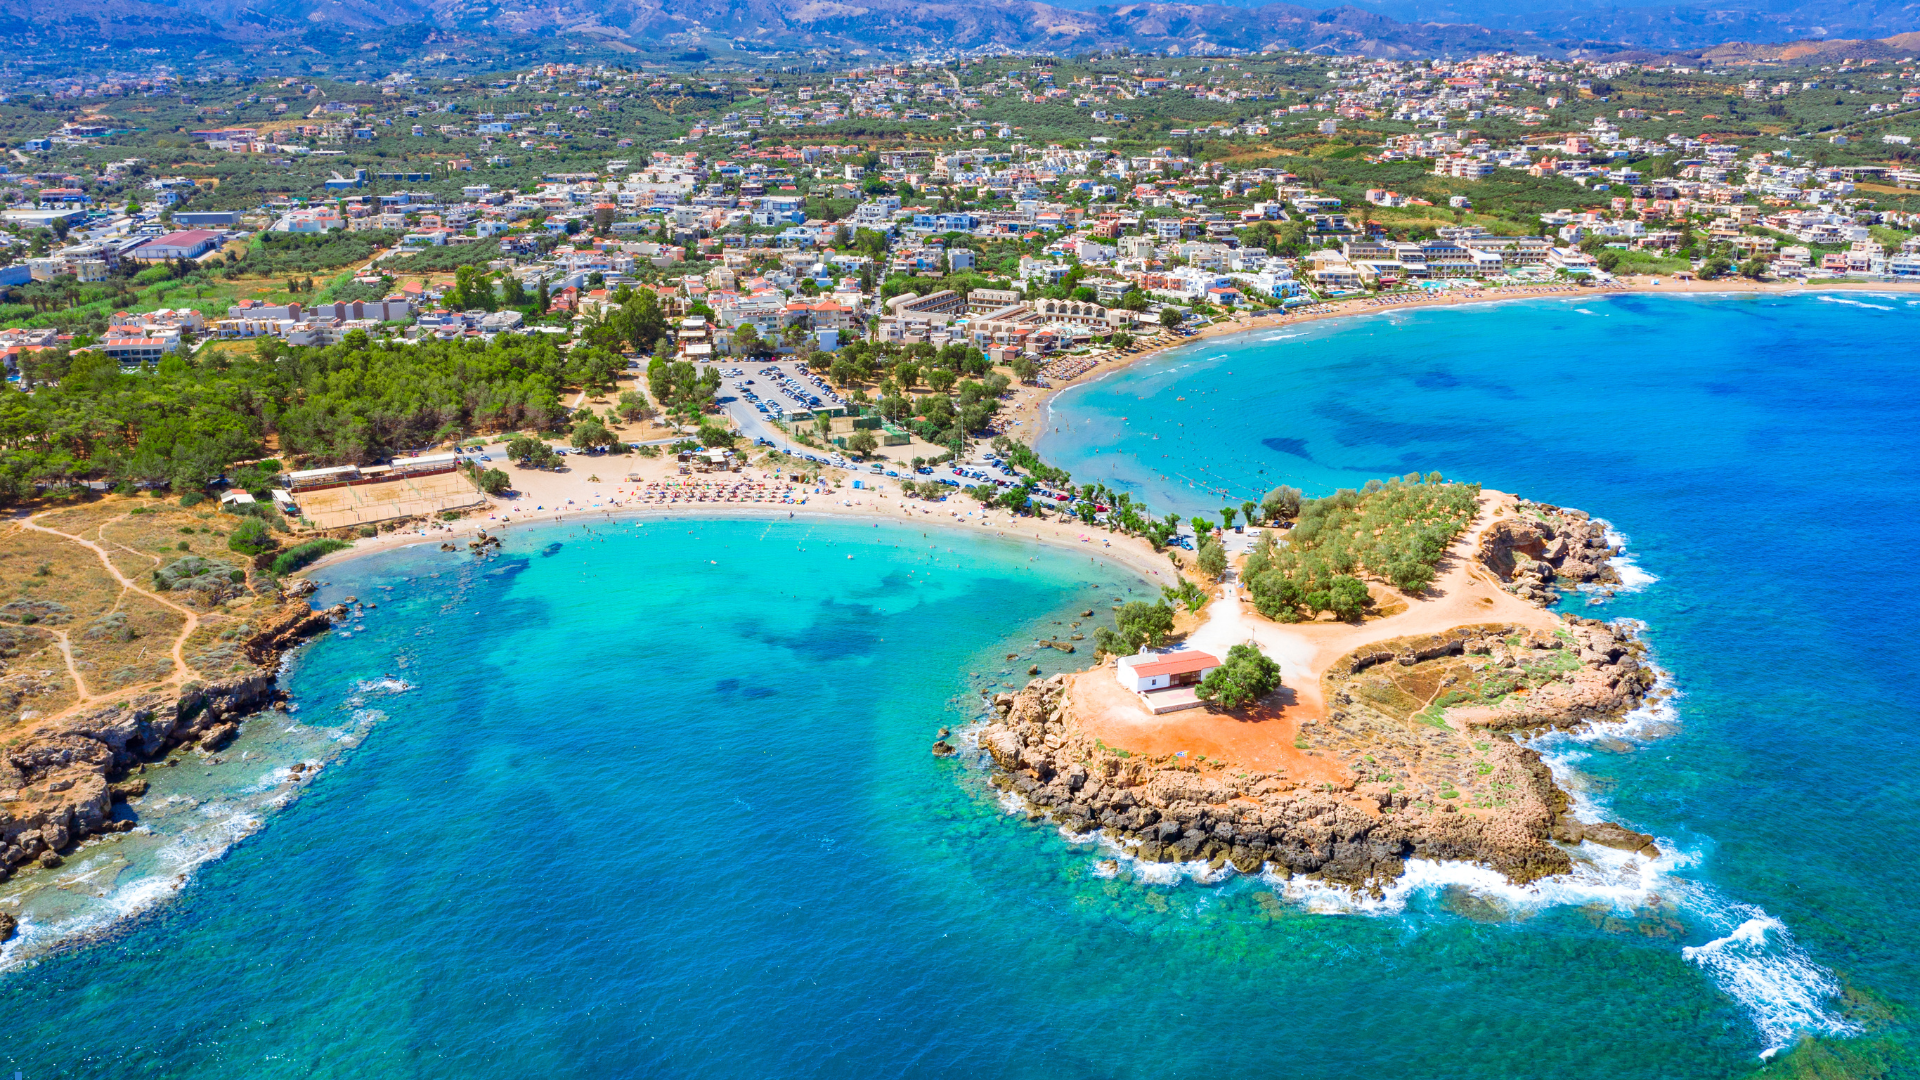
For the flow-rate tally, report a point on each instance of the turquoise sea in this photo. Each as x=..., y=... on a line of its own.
x=654, y=799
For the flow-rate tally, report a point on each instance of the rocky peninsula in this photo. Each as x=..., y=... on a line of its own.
x=59, y=781
x=1405, y=747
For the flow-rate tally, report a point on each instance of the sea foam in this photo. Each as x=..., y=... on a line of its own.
x=1752, y=958
x=1851, y=302
x=1633, y=577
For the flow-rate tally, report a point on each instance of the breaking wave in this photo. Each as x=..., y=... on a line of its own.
x=1633, y=577
x=1851, y=302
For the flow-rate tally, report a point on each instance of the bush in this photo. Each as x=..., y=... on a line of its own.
x=533, y=453
x=193, y=572
x=1212, y=559
x=1281, y=504
x=1395, y=531
x=1140, y=626
x=493, y=481
x=251, y=537
x=1186, y=594
x=714, y=435
x=306, y=554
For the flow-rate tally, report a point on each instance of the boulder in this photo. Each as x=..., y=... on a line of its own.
x=218, y=736
x=1605, y=833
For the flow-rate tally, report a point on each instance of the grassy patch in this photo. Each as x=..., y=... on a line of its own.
x=306, y=555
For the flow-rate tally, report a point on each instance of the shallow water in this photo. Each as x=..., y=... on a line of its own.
x=656, y=799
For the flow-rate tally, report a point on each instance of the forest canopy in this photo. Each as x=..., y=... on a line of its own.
x=185, y=422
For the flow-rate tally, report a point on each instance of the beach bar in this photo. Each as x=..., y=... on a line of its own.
x=315, y=479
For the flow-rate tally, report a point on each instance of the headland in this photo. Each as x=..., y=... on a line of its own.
x=1394, y=737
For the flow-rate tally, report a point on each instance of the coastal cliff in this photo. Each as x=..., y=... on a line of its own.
x=59, y=782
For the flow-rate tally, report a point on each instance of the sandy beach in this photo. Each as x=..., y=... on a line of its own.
x=598, y=487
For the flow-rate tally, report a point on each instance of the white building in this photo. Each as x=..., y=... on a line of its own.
x=1148, y=672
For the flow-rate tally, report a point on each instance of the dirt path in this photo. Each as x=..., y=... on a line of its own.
x=1464, y=592
x=79, y=684
x=182, y=671
x=1263, y=736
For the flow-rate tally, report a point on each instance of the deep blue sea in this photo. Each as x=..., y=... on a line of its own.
x=654, y=799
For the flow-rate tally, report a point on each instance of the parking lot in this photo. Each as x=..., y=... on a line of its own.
x=779, y=390
x=757, y=393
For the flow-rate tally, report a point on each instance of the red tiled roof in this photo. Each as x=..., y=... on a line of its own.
x=1177, y=664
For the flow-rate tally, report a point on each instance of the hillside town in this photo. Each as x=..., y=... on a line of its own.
x=1332, y=181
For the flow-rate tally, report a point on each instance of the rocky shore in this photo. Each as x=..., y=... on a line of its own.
x=1424, y=730
x=1547, y=548
x=58, y=784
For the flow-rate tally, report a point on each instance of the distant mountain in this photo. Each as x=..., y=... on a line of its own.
x=875, y=25
x=1649, y=24
x=1386, y=28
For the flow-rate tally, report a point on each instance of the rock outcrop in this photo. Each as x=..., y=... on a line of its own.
x=57, y=785
x=1548, y=547
x=1169, y=810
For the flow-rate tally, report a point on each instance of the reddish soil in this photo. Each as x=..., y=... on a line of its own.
x=1257, y=738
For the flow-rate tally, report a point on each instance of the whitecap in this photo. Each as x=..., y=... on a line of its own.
x=1633, y=577
x=1622, y=881
x=1851, y=302
x=1754, y=961
x=1758, y=964
x=1161, y=873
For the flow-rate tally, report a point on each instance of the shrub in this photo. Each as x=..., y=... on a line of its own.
x=1395, y=531
x=1212, y=559
x=28, y=612
x=1282, y=503
x=194, y=572
x=1140, y=625
x=712, y=434
x=251, y=537
x=533, y=453
x=493, y=481
x=306, y=554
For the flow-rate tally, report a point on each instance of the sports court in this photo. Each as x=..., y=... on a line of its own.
x=365, y=504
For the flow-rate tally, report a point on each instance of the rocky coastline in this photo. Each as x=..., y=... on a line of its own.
x=59, y=783
x=1547, y=548
x=1426, y=731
